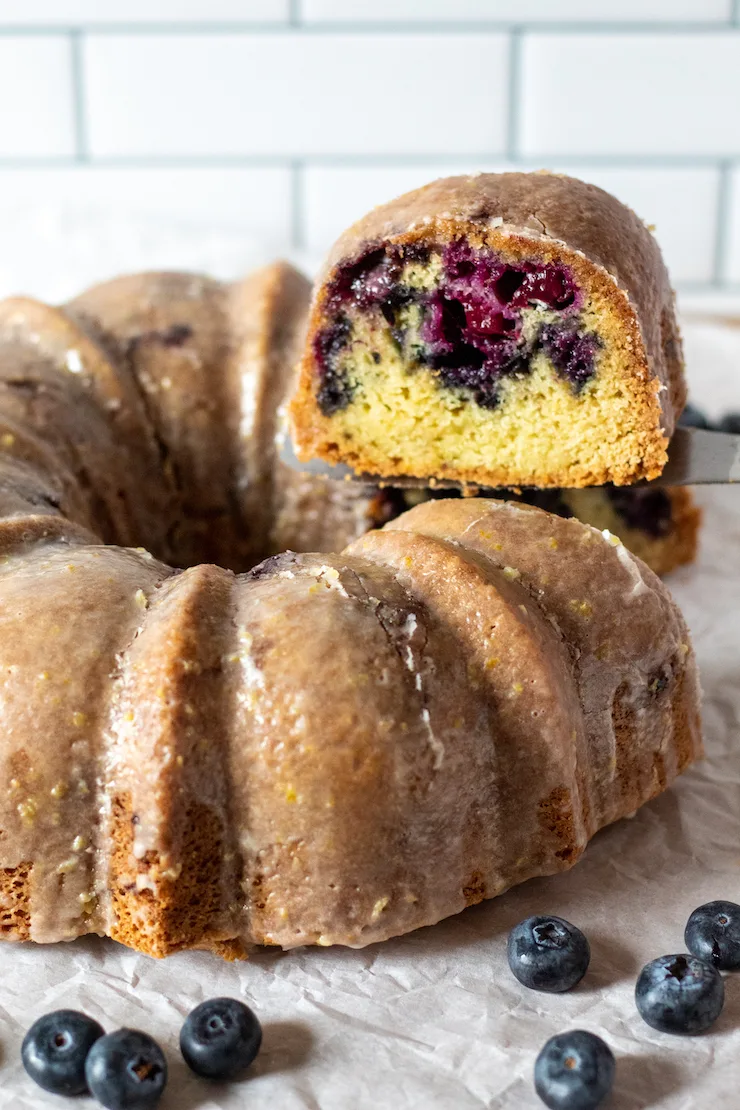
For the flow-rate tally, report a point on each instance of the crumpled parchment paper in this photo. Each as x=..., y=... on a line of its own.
x=435, y=1019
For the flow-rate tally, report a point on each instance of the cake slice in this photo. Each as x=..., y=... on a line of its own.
x=499, y=329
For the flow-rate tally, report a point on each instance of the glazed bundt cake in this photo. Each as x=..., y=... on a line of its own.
x=501, y=329
x=328, y=749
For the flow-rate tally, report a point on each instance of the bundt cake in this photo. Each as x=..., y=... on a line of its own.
x=505, y=330
x=327, y=749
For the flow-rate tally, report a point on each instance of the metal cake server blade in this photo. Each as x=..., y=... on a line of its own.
x=696, y=457
x=700, y=457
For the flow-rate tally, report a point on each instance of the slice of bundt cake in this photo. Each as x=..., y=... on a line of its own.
x=501, y=329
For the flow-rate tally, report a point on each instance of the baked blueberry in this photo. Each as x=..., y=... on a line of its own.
x=126, y=1070
x=472, y=329
x=679, y=994
x=572, y=353
x=472, y=323
x=574, y=1071
x=646, y=509
x=335, y=391
x=713, y=934
x=55, y=1049
x=220, y=1038
x=548, y=953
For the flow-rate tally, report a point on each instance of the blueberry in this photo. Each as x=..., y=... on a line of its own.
x=572, y=353
x=472, y=321
x=730, y=422
x=55, y=1048
x=679, y=994
x=692, y=417
x=548, y=954
x=713, y=934
x=646, y=509
x=472, y=330
x=335, y=390
x=574, y=1071
x=126, y=1070
x=220, y=1038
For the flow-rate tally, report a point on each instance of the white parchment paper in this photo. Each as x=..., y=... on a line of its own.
x=435, y=1019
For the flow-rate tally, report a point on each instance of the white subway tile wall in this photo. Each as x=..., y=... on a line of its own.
x=36, y=97
x=278, y=122
x=627, y=94
x=519, y=11
x=287, y=95
x=65, y=228
x=118, y=13
x=254, y=200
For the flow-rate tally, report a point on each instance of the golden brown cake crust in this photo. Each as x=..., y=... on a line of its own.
x=520, y=215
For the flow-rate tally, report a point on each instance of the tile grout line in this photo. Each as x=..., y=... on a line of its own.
x=381, y=27
x=513, y=88
x=79, y=106
x=677, y=163
x=721, y=248
x=297, y=205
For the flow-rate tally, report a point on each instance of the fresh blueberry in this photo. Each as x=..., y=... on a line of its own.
x=574, y=1071
x=713, y=934
x=692, y=417
x=679, y=994
x=730, y=422
x=220, y=1038
x=548, y=954
x=55, y=1048
x=126, y=1070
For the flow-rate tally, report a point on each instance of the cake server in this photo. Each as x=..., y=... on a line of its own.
x=696, y=457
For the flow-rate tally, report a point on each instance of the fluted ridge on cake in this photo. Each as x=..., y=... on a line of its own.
x=68, y=611
x=519, y=668
x=70, y=407
x=173, y=868
x=631, y=651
